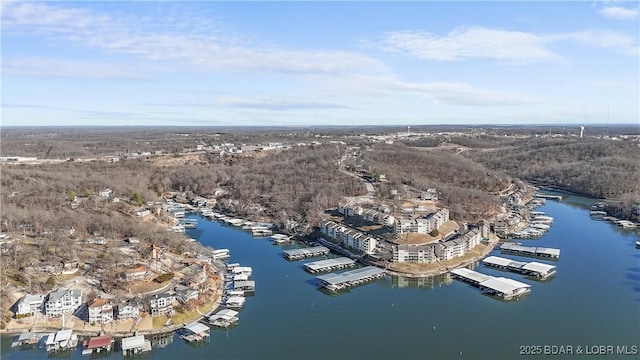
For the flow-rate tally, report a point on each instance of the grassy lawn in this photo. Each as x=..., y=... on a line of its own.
x=159, y=321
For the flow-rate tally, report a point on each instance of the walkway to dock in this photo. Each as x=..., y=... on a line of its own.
x=328, y=265
x=340, y=281
x=528, y=268
x=297, y=254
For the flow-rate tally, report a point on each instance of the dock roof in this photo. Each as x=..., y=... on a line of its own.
x=63, y=335
x=196, y=327
x=500, y=261
x=504, y=285
x=471, y=275
x=348, y=276
x=304, y=251
x=318, y=265
x=99, y=342
x=133, y=342
x=226, y=314
x=538, y=267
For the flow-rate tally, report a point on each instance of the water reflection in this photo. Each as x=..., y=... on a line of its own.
x=421, y=282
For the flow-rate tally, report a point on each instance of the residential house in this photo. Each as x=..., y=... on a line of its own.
x=29, y=305
x=194, y=274
x=186, y=293
x=62, y=300
x=137, y=273
x=100, y=311
x=162, y=304
x=128, y=309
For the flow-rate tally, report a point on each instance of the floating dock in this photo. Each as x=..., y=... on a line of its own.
x=548, y=196
x=340, y=281
x=297, y=254
x=513, y=248
x=280, y=238
x=528, y=268
x=500, y=286
x=329, y=265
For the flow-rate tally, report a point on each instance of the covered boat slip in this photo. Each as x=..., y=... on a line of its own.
x=195, y=331
x=97, y=344
x=514, y=248
x=340, y=281
x=25, y=339
x=297, y=254
x=224, y=318
x=528, y=268
x=329, y=264
x=135, y=345
x=503, y=287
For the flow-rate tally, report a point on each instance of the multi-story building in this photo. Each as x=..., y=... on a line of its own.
x=62, y=300
x=129, y=309
x=29, y=305
x=162, y=304
x=421, y=254
x=348, y=237
x=100, y=311
x=424, y=225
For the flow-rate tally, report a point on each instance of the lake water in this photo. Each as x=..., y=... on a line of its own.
x=593, y=301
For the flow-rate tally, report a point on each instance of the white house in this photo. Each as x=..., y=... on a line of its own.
x=162, y=304
x=129, y=309
x=62, y=300
x=29, y=305
x=100, y=311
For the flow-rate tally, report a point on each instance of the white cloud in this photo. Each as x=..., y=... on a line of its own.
x=377, y=88
x=619, y=13
x=606, y=39
x=279, y=103
x=176, y=42
x=46, y=67
x=504, y=45
x=475, y=42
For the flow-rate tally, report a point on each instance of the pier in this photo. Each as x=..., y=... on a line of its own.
x=297, y=254
x=549, y=196
x=224, y=318
x=533, y=268
x=513, y=248
x=500, y=286
x=135, y=345
x=329, y=265
x=347, y=279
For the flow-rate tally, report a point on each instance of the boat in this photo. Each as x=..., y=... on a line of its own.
x=638, y=244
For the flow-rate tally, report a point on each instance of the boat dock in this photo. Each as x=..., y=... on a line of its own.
x=97, y=345
x=340, y=281
x=513, y=248
x=195, y=331
x=548, y=196
x=329, y=265
x=528, y=268
x=246, y=286
x=297, y=254
x=224, y=318
x=135, y=345
x=280, y=238
x=500, y=286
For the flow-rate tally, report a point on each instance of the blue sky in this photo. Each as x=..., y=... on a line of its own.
x=205, y=63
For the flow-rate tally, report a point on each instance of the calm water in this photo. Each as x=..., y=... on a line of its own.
x=593, y=300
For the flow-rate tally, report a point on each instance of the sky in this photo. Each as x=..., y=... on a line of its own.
x=317, y=63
